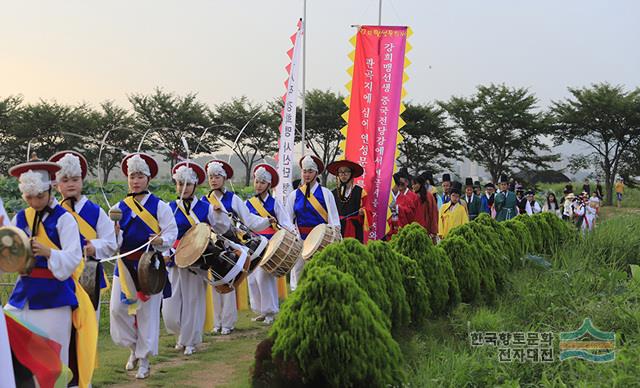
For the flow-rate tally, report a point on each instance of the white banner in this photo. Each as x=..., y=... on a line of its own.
x=286, y=162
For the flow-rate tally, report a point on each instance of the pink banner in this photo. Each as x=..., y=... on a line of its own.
x=374, y=112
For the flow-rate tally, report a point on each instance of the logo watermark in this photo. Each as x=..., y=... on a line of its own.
x=588, y=343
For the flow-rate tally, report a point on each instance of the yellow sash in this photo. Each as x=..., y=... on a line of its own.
x=262, y=212
x=242, y=295
x=208, y=315
x=315, y=203
x=283, y=290
x=83, y=317
x=144, y=214
x=213, y=200
x=89, y=233
x=187, y=215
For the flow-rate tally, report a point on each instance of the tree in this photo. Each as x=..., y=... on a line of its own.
x=502, y=131
x=120, y=139
x=606, y=118
x=9, y=108
x=429, y=143
x=259, y=138
x=171, y=118
x=323, y=117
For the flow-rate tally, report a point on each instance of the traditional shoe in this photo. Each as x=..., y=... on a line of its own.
x=226, y=331
x=269, y=319
x=143, y=369
x=189, y=350
x=179, y=347
x=259, y=318
x=131, y=362
x=216, y=330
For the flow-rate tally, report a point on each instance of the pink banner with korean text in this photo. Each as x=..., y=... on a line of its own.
x=373, y=118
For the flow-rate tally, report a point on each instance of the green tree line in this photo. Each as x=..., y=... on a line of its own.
x=502, y=128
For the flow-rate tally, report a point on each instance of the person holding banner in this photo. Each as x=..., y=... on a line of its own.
x=406, y=202
x=185, y=311
x=349, y=198
x=452, y=213
x=224, y=305
x=309, y=206
x=47, y=297
x=97, y=235
x=427, y=210
x=263, y=287
x=146, y=220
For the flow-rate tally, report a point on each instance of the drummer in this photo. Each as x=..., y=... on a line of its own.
x=184, y=312
x=135, y=317
x=309, y=206
x=45, y=298
x=97, y=235
x=349, y=198
x=224, y=305
x=263, y=289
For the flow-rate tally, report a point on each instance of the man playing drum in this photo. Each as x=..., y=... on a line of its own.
x=263, y=288
x=46, y=297
x=135, y=317
x=97, y=234
x=309, y=206
x=224, y=305
x=349, y=198
x=185, y=311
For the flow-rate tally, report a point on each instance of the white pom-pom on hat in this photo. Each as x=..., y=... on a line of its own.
x=137, y=164
x=186, y=175
x=69, y=167
x=34, y=182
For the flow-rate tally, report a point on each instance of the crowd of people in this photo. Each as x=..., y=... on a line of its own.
x=66, y=234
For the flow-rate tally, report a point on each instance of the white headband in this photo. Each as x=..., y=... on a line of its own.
x=34, y=182
x=137, y=164
x=185, y=174
x=309, y=164
x=215, y=168
x=262, y=174
x=69, y=166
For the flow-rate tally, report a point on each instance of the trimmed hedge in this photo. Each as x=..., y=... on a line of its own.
x=334, y=334
x=465, y=265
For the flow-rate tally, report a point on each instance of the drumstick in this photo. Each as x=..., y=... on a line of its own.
x=350, y=215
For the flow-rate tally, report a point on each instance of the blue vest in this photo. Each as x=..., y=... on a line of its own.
x=270, y=206
x=134, y=231
x=305, y=214
x=90, y=212
x=200, y=209
x=226, y=201
x=38, y=292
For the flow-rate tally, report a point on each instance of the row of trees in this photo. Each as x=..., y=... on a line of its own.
x=499, y=127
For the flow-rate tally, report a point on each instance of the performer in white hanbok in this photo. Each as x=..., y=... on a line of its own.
x=97, y=234
x=135, y=317
x=185, y=311
x=224, y=305
x=263, y=288
x=46, y=297
x=309, y=206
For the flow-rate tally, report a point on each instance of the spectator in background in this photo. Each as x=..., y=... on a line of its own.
x=551, y=205
x=619, y=190
x=532, y=206
x=598, y=192
x=586, y=187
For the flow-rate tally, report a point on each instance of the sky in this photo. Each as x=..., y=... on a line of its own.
x=78, y=51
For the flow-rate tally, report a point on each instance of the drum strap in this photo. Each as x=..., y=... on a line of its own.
x=262, y=211
x=316, y=204
x=143, y=213
x=83, y=317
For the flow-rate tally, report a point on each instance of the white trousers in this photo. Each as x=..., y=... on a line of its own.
x=139, y=332
x=296, y=272
x=6, y=364
x=184, y=312
x=55, y=323
x=263, y=292
x=225, y=311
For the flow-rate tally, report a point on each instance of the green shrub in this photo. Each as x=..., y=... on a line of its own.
x=414, y=242
x=465, y=266
x=522, y=236
x=506, y=237
x=416, y=288
x=536, y=234
x=335, y=334
x=389, y=264
x=352, y=257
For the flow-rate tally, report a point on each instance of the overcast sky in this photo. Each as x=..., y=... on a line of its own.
x=88, y=51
